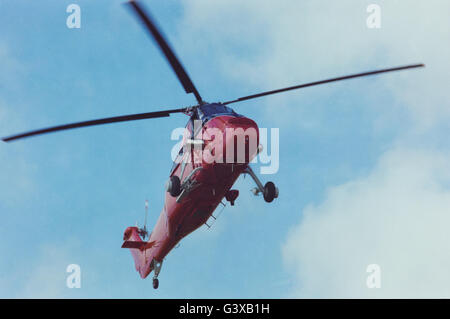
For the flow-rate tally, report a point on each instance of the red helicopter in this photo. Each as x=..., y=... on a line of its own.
x=205, y=169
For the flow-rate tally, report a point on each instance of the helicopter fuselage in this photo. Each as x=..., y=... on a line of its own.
x=208, y=166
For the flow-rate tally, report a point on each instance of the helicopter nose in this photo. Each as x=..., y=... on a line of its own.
x=242, y=140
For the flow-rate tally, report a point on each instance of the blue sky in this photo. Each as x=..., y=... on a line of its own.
x=67, y=198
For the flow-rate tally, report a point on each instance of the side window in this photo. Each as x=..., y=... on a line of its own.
x=180, y=153
x=189, y=126
x=177, y=160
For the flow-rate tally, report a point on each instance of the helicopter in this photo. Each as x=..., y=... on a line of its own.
x=218, y=146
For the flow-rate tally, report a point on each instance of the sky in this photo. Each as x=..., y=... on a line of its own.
x=364, y=176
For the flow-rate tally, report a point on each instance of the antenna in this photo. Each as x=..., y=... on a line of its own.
x=143, y=231
x=146, y=213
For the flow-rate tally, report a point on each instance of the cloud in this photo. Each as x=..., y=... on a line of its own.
x=397, y=217
x=16, y=172
x=12, y=69
x=43, y=273
x=265, y=47
x=46, y=276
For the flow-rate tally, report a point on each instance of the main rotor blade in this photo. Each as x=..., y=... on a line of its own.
x=124, y=118
x=166, y=49
x=249, y=97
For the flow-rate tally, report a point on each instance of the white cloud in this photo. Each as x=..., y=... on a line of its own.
x=16, y=173
x=300, y=41
x=46, y=276
x=43, y=274
x=12, y=69
x=396, y=217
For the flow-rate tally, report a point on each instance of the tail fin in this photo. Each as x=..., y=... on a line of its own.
x=138, y=248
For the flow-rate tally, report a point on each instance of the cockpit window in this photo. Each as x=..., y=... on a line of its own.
x=207, y=112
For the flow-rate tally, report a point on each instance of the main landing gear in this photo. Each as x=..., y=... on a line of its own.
x=173, y=186
x=269, y=191
x=179, y=189
x=156, y=268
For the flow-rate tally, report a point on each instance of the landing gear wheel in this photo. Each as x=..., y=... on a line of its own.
x=173, y=186
x=155, y=283
x=270, y=192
